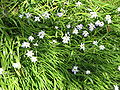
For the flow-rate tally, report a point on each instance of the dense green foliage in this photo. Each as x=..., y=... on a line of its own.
x=55, y=60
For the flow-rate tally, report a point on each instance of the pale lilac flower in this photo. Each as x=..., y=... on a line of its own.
x=93, y=14
x=98, y=23
x=29, y=53
x=59, y=14
x=35, y=44
x=116, y=87
x=75, y=31
x=20, y=15
x=95, y=42
x=82, y=46
x=85, y=33
x=46, y=15
x=56, y=27
x=33, y=59
x=91, y=26
x=37, y=18
x=25, y=45
x=118, y=9
x=102, y=47
x=1, y=71
x=119, y=68
x=78, y=3
x=68, y=26
x=16, y=65
x=79, y=27
x=31, y=38
x=41, y=34
x=88, y=72
x=75, y=69
x=66, y=39
x=28, y=15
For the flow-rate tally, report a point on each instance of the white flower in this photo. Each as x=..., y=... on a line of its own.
x=78, y=3
x=66, y=39
x=95, y=42
x=56, y=27
x=20, y=15
x=41, y=34
x=1, y=71
x=31, y=38
x=33, y=59
x=88, y=72
x=98, y=23
x=75, y=69
x=16, y=65
x=116, y=87
x=91, y=26
x=28, y=15
x=118, y=9
x=68, y=26
x=46, y=15
x=35, y=44
x=79, y=27
x=25, y=44
x=85, y=33
x=75, y=31
x=59, y=14
x=29, y=53
x=54, y=41
x=119, y=68
x=82, y=46
x=37, y=18
x=102, y=47
x=108, y=19
x=93, y=14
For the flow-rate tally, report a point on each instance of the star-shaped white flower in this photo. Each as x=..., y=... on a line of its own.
x=119, y=68
x=56, y=27
x=108, y=19
x=46, y=15
x=91, y=26
x=37, y=18
x=116, y=87
x=35, y=44
x=85, y=33
x=88, y=72
x=79, y=27
x=33, y=59
x=31, y=38
x=20, y=15
x=25, y=45
x=28, y=15
x=68, y=26
x=66, y=39
x=1, y=71
x=16, y=65
x=29, y=53
x=82, y=46
x=75, y=69
x=95, y=42
x=102, y=47
x=75, y=31
x=93, y=14
x=41, y=34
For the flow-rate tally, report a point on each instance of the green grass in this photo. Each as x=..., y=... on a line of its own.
x=53, y=70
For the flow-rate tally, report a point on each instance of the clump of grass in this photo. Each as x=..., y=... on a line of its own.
x=64, y=32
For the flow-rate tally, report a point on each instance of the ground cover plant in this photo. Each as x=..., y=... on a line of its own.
x=59, y=45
